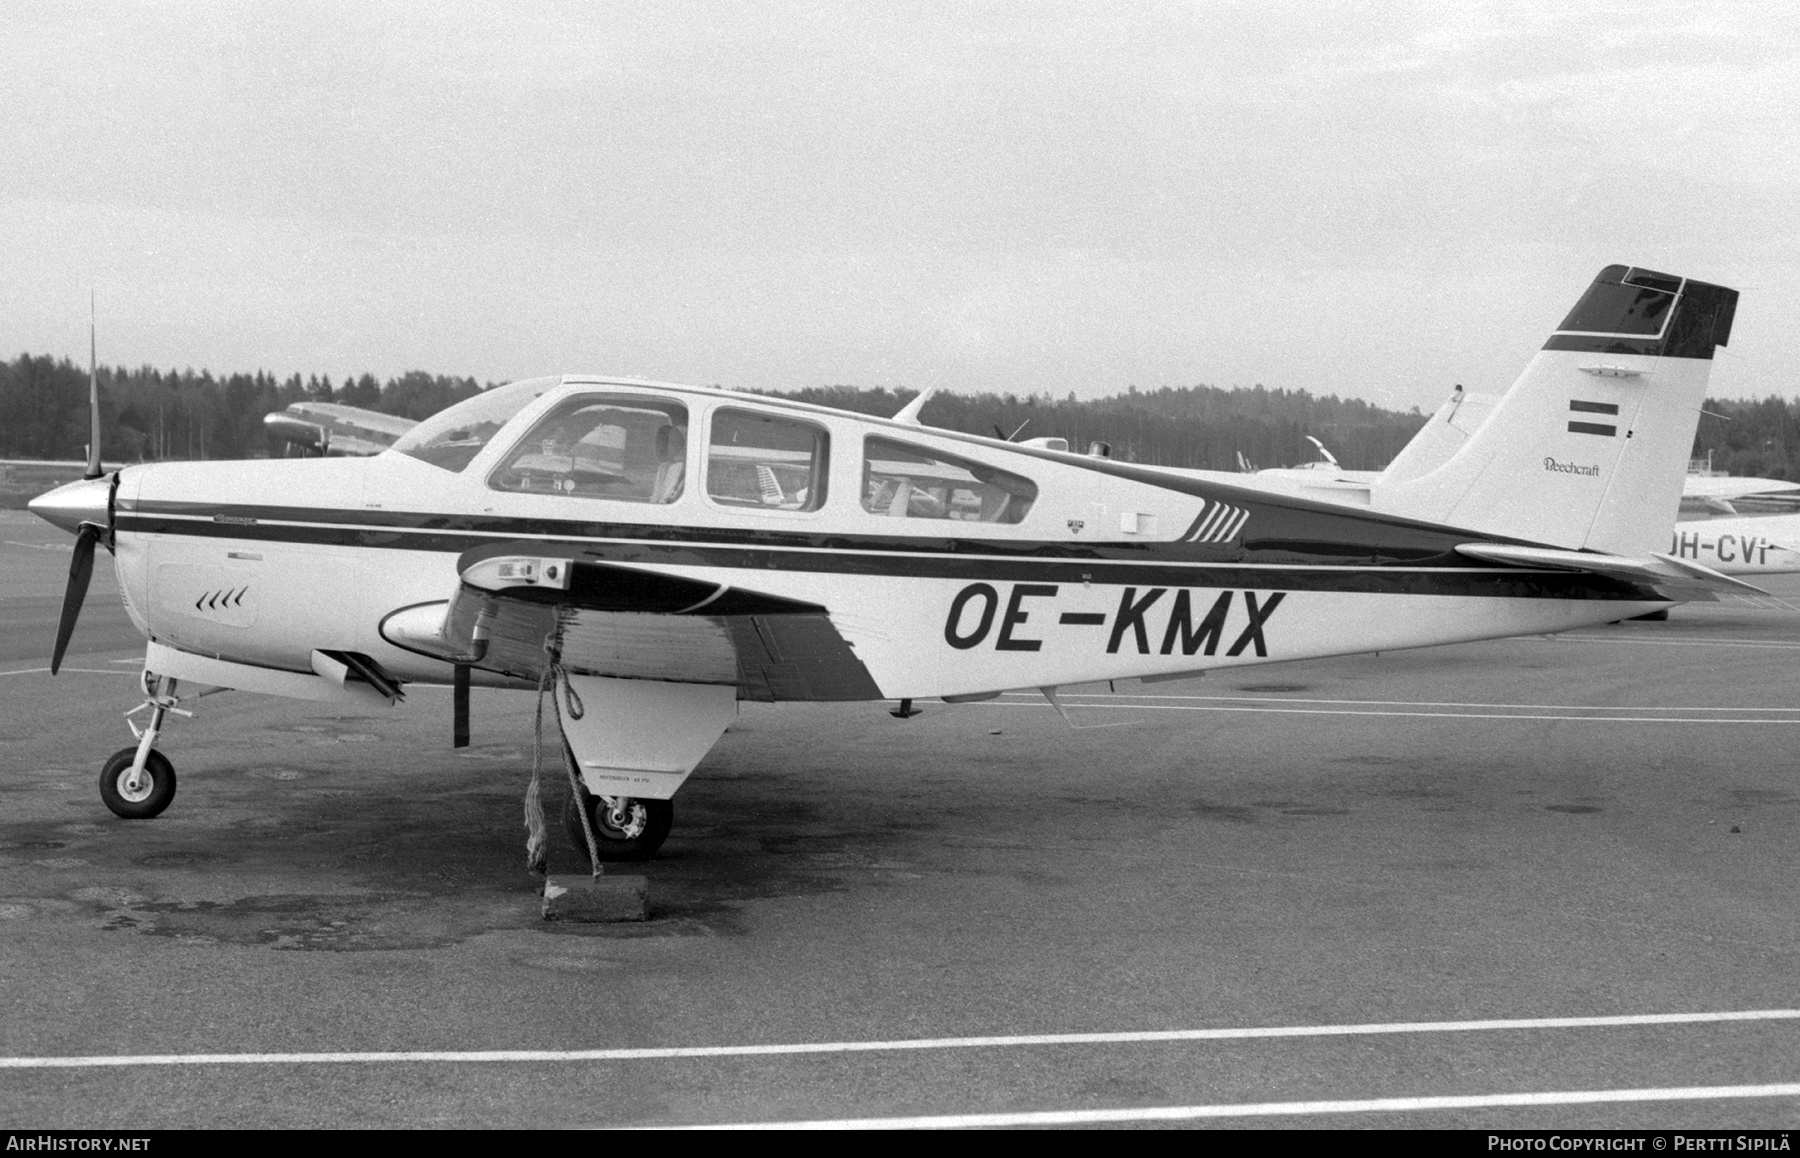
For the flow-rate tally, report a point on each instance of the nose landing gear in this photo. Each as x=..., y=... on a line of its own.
x=139, y=782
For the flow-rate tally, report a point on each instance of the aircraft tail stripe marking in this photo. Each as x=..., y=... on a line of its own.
x=1226, y=527
x=1581, y=407
x=1127, y=1037
x=1212, y=518
x=1593, y=428
x=1218, y=524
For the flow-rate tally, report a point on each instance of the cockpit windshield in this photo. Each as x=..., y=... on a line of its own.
x=450, y=438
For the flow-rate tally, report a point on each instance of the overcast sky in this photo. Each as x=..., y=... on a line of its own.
x=1375, y=200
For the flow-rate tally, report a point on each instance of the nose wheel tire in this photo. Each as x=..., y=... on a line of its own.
x=154, y=791
x=625, y=827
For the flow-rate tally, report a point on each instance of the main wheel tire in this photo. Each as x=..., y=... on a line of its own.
x=646, y=825
x=155, y=788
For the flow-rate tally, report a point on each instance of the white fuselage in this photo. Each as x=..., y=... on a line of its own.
x=264, y=563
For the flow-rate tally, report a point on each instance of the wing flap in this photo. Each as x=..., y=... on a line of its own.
x=608, y=619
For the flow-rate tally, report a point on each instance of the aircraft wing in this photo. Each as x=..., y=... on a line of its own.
x=1678, y=579
x=1730, y=487
x=627, y=622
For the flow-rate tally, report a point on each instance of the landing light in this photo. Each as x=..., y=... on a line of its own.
x=519, y=571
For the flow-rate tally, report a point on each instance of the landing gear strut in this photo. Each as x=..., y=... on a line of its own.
x=625, y=827
x=139, y=782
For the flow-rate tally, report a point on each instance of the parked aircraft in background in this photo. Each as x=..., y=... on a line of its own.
x=1721, y=494
x=1755, y=545
x=330, y=428
x=657, y=553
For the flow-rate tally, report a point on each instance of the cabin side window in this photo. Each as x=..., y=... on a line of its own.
x=765, y=461
x=905, y=481
x=622, y=447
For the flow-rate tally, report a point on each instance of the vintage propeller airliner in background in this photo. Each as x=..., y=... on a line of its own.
x=663, y=552
x=333, y=429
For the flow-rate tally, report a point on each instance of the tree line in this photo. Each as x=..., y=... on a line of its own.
x=149, y=414
x=1201, y=427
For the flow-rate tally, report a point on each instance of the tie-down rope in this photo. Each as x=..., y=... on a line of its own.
x=537, y=840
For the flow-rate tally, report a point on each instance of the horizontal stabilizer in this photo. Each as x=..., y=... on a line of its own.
x=1676, y=578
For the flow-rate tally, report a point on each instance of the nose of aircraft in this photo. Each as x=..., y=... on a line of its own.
x=74, y=504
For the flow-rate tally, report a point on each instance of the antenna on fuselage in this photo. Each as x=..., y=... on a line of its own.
x=910, y=412
x=93, y=462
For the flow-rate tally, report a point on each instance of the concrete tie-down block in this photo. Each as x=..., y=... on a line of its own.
x=596, y=900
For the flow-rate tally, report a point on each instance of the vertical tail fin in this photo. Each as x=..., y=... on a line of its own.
x=1588, y=448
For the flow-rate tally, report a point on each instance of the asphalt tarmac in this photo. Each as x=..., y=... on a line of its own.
x=1597, y=826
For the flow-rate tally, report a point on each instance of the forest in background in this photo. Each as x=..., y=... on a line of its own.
x=149, y=414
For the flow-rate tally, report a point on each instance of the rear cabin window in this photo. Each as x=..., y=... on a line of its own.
x=765, y=461
x=911, y=482
x=621, y=447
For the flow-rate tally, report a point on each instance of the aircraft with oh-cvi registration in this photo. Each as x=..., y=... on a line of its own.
x=1751, y=545
x=656, y=554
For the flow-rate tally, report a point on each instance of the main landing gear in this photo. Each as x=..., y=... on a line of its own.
x=625, y=827
x=139, y=782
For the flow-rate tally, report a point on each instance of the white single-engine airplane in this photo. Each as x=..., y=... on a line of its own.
x=657, y=553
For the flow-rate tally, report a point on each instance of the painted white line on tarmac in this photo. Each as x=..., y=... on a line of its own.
x=1068, y=697
x=1129, y=1037
x=1280, y=1109
x=1129, y=706
x=1771, y=644
x=67, y=670
x=38, y=546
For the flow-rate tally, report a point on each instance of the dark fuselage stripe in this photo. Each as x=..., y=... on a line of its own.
x=1139, y=569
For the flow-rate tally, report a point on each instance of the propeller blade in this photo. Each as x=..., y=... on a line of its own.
x=81, y=569
x=93, y=462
